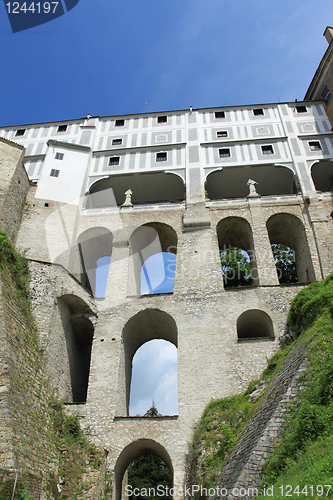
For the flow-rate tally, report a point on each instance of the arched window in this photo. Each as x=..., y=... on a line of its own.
x=254, y=324
x=322, y=175
x=94, y=248
x=231, y=182
x=137, y=449
x=288, y=230
x=154, y=248
x=79, y=332
x=145, y=326
x=237, y=253
x=155, y=378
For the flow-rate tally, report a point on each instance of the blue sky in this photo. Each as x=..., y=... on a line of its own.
x=107, y=58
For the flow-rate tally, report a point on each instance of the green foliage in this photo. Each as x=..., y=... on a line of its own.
x=18, y=266
x=236, y=267
x=149, y=471
x=6, y=492
x=303, y=453
x=285, y=263
x=152, y=412
x=215, y=437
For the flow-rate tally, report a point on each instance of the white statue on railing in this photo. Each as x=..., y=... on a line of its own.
x=128, y=199
x=252, y=187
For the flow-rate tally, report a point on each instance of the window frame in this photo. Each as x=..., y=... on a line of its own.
x=219, y=115
x=161, y=156
x=117, y=142
x=223, y=133
x=267, y=149
x=301, y=109
x=114, y=161
x=62, y=128
x=54, y=172
x=227, y=153
x=162, y=119
x=59, y=156
x=20, y=132
x=315, y=146
x=120, y=122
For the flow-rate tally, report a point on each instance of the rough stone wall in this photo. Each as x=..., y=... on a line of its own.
x=14, y=185
x=25, y=444
x=244, y=467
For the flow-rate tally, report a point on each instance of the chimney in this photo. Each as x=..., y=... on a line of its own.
x=328, y=34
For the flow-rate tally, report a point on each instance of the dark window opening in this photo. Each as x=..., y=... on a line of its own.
x=315, y=146
x=301, y=109
x=224, y=153
x=222, y=133
x=326, y=95
x=161, y=157
x=119, y=123
x=20, y=132
x=219, y=114
x=62, y=128
x=115, y=160
x=267, y=150
x=162, y=119
x=117, y=142
x=59, y=156
x=258, y=112
x=54, y=173
x=254, y=324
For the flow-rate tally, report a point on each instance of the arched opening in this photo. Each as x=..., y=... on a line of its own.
x=154, y=378
x=146, y=325
x=95, y=248
x=237, y=253
x=254, y=324
x=231, y=182
x=322, y=175
x=154, y=248
x=287, y=229
x=135, y=450
x=79, y=333
x=152, y=187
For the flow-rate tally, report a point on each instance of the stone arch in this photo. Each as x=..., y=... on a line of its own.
x=254, y=324
x=236, y=232
x=76, y=317
x=146, y=325
x=150, y=239
x=93, y=244
x=231, y=182
x=147, y=187
x=322, y=175
x=287, y=229
x=133, y=451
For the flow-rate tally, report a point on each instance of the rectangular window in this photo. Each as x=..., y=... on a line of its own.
x=222, y=133
x=62, y=128
x=119, y=123
x=114, y=160
x=20, y=132
x=315, y=146
x=301, y=109
x=224, y=153
x=54, y=173
x=162, y=119
x=326, y=95
x=117, y=142
x=59, y=156
x=219, y=114
x=258, y=112
x=161, y=157
x=267, y=150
